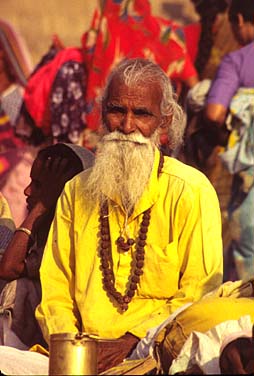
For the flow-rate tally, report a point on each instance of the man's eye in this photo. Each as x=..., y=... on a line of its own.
x=115, y=110
x=143, y=113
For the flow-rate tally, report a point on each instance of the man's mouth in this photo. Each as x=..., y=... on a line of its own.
x=137, y=139
x=29, y=205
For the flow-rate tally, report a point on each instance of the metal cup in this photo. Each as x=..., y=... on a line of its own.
x=72, y=354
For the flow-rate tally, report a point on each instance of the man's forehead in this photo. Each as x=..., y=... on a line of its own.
x=139, y=91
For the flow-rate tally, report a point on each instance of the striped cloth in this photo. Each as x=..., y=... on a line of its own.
x=16, y=52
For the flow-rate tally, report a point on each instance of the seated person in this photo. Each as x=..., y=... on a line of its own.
x=20, y=263
x=138, y=235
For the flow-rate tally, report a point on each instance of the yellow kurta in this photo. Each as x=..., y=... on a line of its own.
x=7, y=225
x=183, y=255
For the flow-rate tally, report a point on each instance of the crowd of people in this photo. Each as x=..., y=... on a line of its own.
x=119, y=233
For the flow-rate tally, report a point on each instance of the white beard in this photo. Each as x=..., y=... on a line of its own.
x=122, y=168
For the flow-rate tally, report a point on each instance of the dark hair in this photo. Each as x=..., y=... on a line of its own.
x=207, y=10
x=62, y=150
x=244, y=7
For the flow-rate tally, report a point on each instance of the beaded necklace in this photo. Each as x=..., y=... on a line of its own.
x=106, y=255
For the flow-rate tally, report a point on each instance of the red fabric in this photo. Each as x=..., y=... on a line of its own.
x=111, y=353
x=37, y=92
x=128, y=29
x=123, y=28
x=192, y=35
x=8, y=142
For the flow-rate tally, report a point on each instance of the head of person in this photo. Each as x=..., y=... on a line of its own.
x=211, y=14
x=77, y=159
x=241, y=17
x=138, y=105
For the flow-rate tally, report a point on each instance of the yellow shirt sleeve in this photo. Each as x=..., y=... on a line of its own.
x=7, y=225
x=58, y=312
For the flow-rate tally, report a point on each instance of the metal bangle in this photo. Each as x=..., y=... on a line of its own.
x=25, y=230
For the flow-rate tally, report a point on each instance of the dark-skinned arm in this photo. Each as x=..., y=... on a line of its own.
x=13, y=261
x=237, y=358
x=215, y=113
x=55, y=174
x=214, y=118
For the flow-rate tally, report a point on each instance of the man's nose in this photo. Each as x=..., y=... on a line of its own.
x=27, y=190
x=128, y=124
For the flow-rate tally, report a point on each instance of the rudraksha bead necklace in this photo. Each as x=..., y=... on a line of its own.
x=106, y=255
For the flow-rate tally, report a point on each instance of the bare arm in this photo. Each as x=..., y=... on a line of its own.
x=216, y=113
x=237, y=357
x=13, y=261
x=12, y=264
x=191, y=81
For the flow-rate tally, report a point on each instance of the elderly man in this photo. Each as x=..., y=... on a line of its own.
x=138, y=235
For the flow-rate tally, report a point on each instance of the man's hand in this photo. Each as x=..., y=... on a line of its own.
x=238, y=357
x=55, y=173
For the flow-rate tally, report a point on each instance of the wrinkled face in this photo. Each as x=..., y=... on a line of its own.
x=33, y=190
x=128, y=109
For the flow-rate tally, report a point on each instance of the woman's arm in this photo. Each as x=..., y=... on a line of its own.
x=12, y=263
x=54, y=176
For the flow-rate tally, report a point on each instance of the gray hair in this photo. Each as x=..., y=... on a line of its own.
x=135, y=71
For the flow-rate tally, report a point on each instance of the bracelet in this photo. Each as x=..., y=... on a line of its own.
x=25, y=230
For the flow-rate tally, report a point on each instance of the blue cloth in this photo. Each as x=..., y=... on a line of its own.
x=239, y=153
x=239, y=159
x=241, y=221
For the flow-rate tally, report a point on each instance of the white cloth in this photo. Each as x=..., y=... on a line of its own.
x=203, y=349
x=196, y=96
x=18, y=362
x=145, y=346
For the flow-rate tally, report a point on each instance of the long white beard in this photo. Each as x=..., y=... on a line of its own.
x=122, y=168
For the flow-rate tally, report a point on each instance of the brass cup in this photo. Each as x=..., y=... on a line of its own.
x=72, y=354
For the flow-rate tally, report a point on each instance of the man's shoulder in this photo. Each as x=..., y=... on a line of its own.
x=78, y=182
x=243, y=52
x=178, y=170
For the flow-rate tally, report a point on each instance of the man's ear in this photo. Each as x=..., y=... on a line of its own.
x=240, y=19
x=165, y=123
